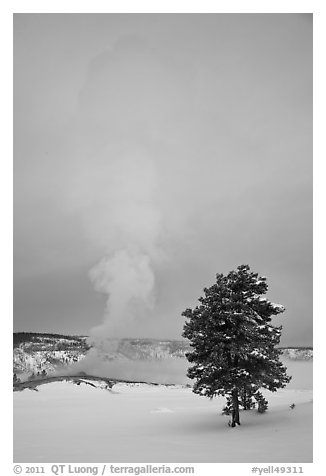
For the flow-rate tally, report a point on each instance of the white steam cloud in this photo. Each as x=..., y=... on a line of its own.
x=124, y=135
x=133, y=173
x=130, y=229
x=164, y=371
x=127, y=278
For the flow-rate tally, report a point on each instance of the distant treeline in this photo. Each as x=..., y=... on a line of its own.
x=36, y=337
x=299, y=347
x=75, y=340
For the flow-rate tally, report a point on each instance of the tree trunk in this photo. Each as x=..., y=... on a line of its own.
x=244, y=399
x=235, y=408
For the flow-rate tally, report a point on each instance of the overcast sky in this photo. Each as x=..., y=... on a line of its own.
x=150, y=153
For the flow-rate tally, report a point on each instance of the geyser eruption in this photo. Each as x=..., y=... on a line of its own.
x=128, y=280
x=125, y=273
x=128, y=139
x=128, y=228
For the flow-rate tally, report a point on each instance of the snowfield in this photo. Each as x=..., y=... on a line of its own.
x=142, y=423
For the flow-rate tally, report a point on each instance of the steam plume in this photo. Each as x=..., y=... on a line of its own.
x=134, y=174
x=126, y=277
x=127, y=95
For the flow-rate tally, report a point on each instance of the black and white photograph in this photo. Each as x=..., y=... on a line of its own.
x=163, y=238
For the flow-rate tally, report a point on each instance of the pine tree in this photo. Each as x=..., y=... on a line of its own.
x=234, y=343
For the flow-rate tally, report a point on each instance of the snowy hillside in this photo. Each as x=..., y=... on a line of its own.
x=302, y=353
x=48, y=360
x=37, y=353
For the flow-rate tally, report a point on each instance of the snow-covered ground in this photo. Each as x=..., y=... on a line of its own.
x=140, y=423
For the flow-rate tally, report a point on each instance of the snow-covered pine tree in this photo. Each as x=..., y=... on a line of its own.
x=234, y=344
